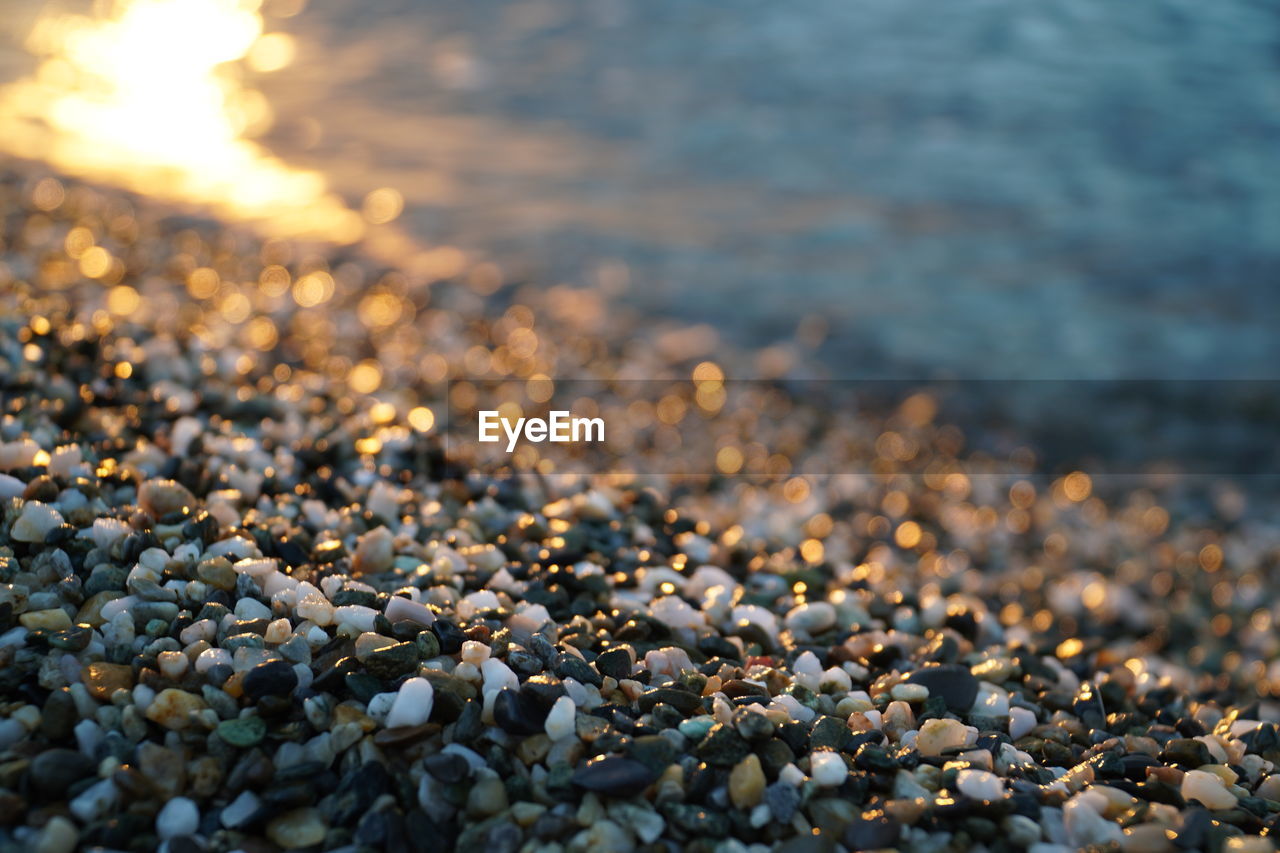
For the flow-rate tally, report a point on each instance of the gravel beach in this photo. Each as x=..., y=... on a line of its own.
x=248, y=601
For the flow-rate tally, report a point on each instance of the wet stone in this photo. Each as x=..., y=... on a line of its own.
x=682, y=700
x=53, y=771
x=723, y=746
x=613, y=776
x=571, y=666
x=243, y=732
x=517, y=713
x=447, y=767
x=391, y=662
x=954, y=683
x=614, y=663
x=273, y=678
x=102, y=679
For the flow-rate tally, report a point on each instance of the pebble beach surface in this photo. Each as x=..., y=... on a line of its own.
x=248, y=603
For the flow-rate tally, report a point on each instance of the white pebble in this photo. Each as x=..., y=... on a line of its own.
x=475, y=653
x=173, y=664
x=35, y=522
x=937, y=735
x=811, y=618
x=11, y=487
x=240, y=810
x=980, y=785
x=560, y=720
x=827, y=769
x=316, y=608
x=179, y=817
x=95, y=801
x=412, y=706
x=356, y=615
x=1021, y=722
x=497, y=675
x=1207, y=788
x=212, y=657
x=401, y=609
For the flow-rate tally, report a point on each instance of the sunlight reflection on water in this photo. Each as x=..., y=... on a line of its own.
x=146, y=96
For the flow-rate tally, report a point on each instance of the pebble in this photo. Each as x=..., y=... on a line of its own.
x=953, y=682
x=174, y=709
x=159, y=498
x=979, y=785
x=179, y=816
x=827, y=769
x=560, y=719
x=58, y=836
x=1021, y=722
x=613, y=776
x=35, y=522
x=811, y=618
x=304, y=827
x=239, y=811
x=938, y=735
x=412, y=705
x=1208, y=788
x=746, y=782
x=272, y=678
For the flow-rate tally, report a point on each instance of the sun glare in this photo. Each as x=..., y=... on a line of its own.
x=145, y=96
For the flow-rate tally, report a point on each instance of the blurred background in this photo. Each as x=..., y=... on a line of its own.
x=993, y=189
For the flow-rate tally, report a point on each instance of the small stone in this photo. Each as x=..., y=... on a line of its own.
x=487, y=796
x=401, y=609
x=1145, y=838
x=53, y=619
x=517, y=713
x=35, y=522
x=1021, y=722
x=412, y=705
x=746, y=782
x=1186, y=752
x=782, y=800
x=1021, y=831
x=272, y=678
x=374, y=551
x=159, y=498
x=937, y=735
x=827, y=769
x=560, y=719
x=58, y=836
x=53, y=771
x=95, y=801
x=180, y=816
x=173, y=664
x=908, y=692
x=811, y=618
x=240, y=810
x=392, y=661
x=952, y=681
x=614, y=776
x=872, y=833
x=448, y=767
x=303, y=827
x=723, y=746
x=1208, y=789
x=243, y=732
x=980, y=785
x=614, y=663
x=173, y=708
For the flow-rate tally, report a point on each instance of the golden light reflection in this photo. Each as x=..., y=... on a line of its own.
x=144, y=95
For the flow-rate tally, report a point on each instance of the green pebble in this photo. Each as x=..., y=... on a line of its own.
x=696, y=728
x=243, y=732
